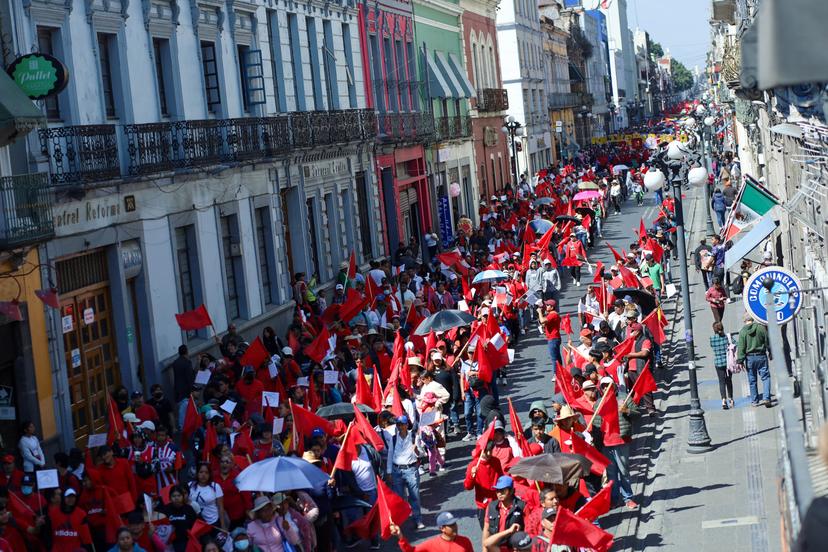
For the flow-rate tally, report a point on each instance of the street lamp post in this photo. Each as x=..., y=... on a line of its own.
x=510, y=127
x=708, y=122
x=698, y=439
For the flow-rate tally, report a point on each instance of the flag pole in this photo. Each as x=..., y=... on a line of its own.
x=342, y=446
x=600, y=404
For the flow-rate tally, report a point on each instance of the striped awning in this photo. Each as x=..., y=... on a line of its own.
x=438, y=86
x=457, y=67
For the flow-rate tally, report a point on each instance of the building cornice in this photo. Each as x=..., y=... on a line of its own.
x=441, y=5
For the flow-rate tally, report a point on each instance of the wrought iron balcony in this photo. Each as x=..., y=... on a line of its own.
x=25, y=210
x=492, y=99
x=563, y=100
x=87, y=153
x=404, y=127
x=453, y=127
x=91, y=154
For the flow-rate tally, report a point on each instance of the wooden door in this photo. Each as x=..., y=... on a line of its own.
x=91, y=361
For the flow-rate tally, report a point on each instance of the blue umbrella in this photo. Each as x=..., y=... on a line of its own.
x=540, y=226
x=283, y=473
x=489, y=276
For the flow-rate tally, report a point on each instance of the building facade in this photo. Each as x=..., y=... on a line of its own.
x=491, y=148
x=622, y=62
x=203, y=153
x=521, y=42
x=594, y=25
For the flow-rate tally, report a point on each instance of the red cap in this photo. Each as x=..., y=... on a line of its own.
x=586, y=332
x=8, y=459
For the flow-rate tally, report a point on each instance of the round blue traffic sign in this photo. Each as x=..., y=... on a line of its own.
x=786, y=291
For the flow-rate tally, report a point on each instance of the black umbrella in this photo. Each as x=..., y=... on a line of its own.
x=566, y=218
x=540, y=226
x=443, y=321
x=342, y=411
x=585, y=210
x=643, y=299
x=557, y=468
x=543, y=201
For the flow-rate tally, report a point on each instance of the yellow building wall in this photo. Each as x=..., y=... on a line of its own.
x=37, y=328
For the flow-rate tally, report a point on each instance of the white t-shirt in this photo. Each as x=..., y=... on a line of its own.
x=364, y=472
x=206, y=497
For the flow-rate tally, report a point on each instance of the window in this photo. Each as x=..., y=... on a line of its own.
x=413, y=83
x=211, y=78
x=363, y=214
x=187, y=258
x=161, y=52
x=313, y=269
x=276, y=59
x=296, y=62
x=403, y=80
x=231, y=249
x=245, y=91
x=313, y=50
x=379, y=88
x=264, y=244
x=393, y=75
x=46, y=38
x=476, y=77
x=329, y=65
x=349, y=65
x=105, y=46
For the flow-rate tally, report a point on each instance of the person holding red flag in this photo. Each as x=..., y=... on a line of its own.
x=449, y=540
x=482, y=476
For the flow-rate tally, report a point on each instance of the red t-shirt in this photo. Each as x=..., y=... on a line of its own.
x=146, y=412
x=552, y=326
x=438, y=544
x=252, y=395
x=69, y=531
x=119, y=477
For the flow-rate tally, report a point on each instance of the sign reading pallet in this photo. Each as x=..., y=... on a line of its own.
x=786, y=290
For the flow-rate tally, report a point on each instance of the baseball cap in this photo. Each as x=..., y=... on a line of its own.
x=287, y=351
x=69, y=492
x=402, y=420
x=521, y=541
x=317, y=433
x=446, y=518
x=498, y=424
x=587, y=385
x=549, y=512
x=8, y=459
x=339, y=287
x=586, y=332
x=503, y=482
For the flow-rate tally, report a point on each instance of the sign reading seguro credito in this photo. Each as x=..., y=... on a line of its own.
x=786, y=291
x=39, y=75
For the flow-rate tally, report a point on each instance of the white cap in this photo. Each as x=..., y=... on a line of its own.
x=436, y=355
x=131, y=418
x=339, y=287
x=287, y=351
x=148, y=425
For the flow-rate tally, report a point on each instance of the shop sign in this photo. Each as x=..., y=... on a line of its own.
x=786, y=290
x=88, y=316
x=444, y=215
x=8, y=413
x=131, y=258
x=39, y=75
x=68, y=323
x=76, y=358
x=6, y=394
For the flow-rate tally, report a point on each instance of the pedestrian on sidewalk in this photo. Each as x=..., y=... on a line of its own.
x=716, y=296
x=700, y=259
x=719, y=205
x=551, y=322
x=720, y=343
x=752, y=350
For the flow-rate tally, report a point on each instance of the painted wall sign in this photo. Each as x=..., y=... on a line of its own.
x=39, y=75
x=786, y=288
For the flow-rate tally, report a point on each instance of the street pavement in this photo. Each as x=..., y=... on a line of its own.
x=724, y=499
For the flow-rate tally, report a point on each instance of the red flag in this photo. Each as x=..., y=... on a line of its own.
x=517, y=429
x=467, y=290
x=367, y=526
x=413, y=318
x=312, y=399
x=192, y=421
x=352, y=306
x=485, y=368
x=431, y=342
x=566, y=324
x=543, y=242
x=117, y=430
x=653, y=323
x=643, y=385
x=364, y=427
x=49, y=297
x=642, y=230
x=348, y=451
x=629, y=279
x=320, y=347
x=495, y=344
x=652, y=245
x=114, y=506
x=618, y=257
x=363, y=392
x=571, y=530
x=198, y=530
x=392, y=509
x=599, y=273
x=598, y=505
x=352, y=267
x=244, y=441
x=608, y=410
x=624, y=348
x=255, y=354
x=210, y=440
x=529, y=234
x=306, y=421
x=194, y=319
x=482, y=440
x=376, y=391
x=396, y=402
x=450, y=258
x=571, y=442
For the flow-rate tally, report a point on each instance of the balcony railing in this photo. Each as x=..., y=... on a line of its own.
x=492, y=99
x=86, y=154
x=563, y=100
x=25, y=210
x=453, y=127
x=405, y=127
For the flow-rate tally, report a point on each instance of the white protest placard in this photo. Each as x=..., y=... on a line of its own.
x=671, y=290
x=96, y=440
x=511, y=353
x=202, y=377
x=331, y=377
x=278, y=426
x=228, y=406
x=462, y=305
x=47, y=479
x=270, y=398
x=430, y=418
x=273, y=366
x=303, y=382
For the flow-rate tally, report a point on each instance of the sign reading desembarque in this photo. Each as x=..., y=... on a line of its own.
x=786, y=290
x=39, y=75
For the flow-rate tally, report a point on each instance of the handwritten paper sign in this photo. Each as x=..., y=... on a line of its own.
x=228, y=406
x=96, y=440
x=202, y=377
x=278, y=425
x=270, y=398
x=303, y=382
x=511, y=353
x=331, y=377
x=47, y=479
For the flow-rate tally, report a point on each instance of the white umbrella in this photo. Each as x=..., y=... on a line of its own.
x=282, y=473
x=618, y=168
x=489, y=276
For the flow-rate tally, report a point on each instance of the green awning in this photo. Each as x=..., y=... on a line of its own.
x=449, y=76
x=437, y=85
x=18, y=114
x=457, y=67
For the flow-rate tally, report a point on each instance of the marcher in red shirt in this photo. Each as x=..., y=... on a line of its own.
x=10, y=476
x=236, y=503
x=143, y=410
x=115, y=473
x=551, y=322
x=92, y=502
x=447, y=541
x=250, y=389
x=482, y=477
x=68, y=524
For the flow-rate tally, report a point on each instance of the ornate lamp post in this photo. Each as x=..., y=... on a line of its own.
x=510, y=127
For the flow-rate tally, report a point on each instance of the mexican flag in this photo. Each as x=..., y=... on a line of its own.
x=752, y=202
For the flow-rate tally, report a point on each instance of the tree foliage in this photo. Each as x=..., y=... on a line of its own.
x=655, y=49
x=682, y=77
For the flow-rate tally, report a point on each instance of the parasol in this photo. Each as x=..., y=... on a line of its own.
x=557, y=468
x=642, y=298
x=282, y=473
x=586, y=195
x=587, y=185
x=540, y=226
x=489, y=276
x=342, y=411
x=444, y=321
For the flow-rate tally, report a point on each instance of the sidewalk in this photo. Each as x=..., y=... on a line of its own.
x=725, y=499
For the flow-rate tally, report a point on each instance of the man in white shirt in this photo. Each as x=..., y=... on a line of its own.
x=376, y=273
x=403, y=467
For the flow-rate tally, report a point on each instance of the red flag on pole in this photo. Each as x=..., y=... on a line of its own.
x=392, y=509
x=353, y=305
x=642, y=230
x=320, y=347
x=195, y=319
x=643, y=385
x=629, y=279
x=348, y=451
x=570, y=442
x=624, y=348
x=482, y=440
x=598, y=505
x=306, y=421
x=571, y=530
x=117, y=430
x=352, y=268
x=376, y=391
x=653, y=323
x=367, y=526
x=362, y=425
x=517, y=429
x=566, y=324
x=608, y=410
x=363, y=392
x=618, y=257
x=210, y=440
x=255, y=354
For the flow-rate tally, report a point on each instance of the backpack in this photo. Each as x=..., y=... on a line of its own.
x=733, y=366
